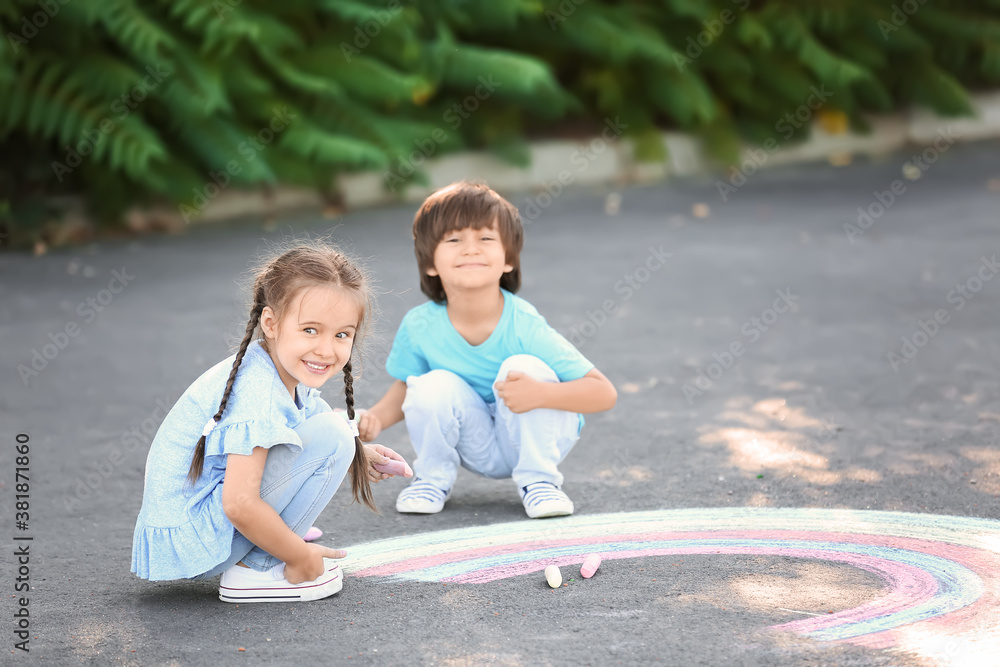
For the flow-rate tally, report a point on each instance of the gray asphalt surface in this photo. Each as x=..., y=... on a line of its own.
x=845, y=429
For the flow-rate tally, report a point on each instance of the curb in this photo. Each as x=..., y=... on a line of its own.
x=603, y=160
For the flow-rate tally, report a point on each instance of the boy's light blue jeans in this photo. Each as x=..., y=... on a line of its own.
x=450, y=425
x=298, y=485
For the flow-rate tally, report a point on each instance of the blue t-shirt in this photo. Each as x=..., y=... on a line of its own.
x=182, y=530
x=428, y=341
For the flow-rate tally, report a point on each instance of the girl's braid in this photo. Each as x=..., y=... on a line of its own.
x=360, y=484
x=198, y=461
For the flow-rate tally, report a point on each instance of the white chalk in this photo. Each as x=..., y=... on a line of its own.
x=553, y=576
x=590, y=565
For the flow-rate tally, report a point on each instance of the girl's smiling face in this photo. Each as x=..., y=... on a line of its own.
x=314, y=338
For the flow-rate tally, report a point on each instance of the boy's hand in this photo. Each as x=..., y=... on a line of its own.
x=520, y=392
x=378, y=454
x=369, y=425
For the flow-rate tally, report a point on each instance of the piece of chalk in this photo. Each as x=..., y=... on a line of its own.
x=313, y=533
x=590, y=565
x=553, y=576
x=394, y=467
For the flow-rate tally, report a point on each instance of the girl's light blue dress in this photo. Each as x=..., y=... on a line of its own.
x=182, y=530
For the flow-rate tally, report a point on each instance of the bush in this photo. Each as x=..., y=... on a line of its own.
x=141, y=101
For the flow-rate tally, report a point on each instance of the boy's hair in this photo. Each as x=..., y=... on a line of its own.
x=313, y=264
x=460, y=206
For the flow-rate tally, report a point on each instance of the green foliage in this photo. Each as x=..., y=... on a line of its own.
x=128, y=101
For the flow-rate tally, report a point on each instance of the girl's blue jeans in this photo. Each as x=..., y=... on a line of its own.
x=298, y=485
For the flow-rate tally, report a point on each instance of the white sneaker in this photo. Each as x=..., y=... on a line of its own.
x=421, y=497
x=545, y=499
x=242, y=584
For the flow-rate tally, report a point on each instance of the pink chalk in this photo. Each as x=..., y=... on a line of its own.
x=590, y=565
x=313, y=533
x=394, y=467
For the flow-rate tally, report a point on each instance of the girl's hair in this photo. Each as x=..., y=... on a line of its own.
x=460, y=206
x=276, y=284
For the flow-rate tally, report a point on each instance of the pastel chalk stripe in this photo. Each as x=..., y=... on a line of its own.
x=957, y=586
x=960, y=554
x=912, y=599
x=945, y=586
x=941, y=571
x=961, y=530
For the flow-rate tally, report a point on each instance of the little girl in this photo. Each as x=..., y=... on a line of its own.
x=237, y=500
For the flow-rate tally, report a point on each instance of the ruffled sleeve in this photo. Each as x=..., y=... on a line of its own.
x=242, y=437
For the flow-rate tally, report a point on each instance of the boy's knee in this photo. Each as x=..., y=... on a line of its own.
x=431, y=389
x=529, y=365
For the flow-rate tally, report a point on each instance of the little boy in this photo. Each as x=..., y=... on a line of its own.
x=481, y=380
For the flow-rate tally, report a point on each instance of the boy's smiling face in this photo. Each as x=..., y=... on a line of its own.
x=470, y=259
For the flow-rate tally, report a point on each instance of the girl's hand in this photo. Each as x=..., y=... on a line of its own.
x=520, y=392
x=369, y=425
x=311, y=566
x=378, y=454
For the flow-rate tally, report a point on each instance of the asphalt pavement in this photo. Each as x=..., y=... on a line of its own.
x=765, y=355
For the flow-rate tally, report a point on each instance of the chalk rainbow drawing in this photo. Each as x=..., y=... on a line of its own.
x=941, y=573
